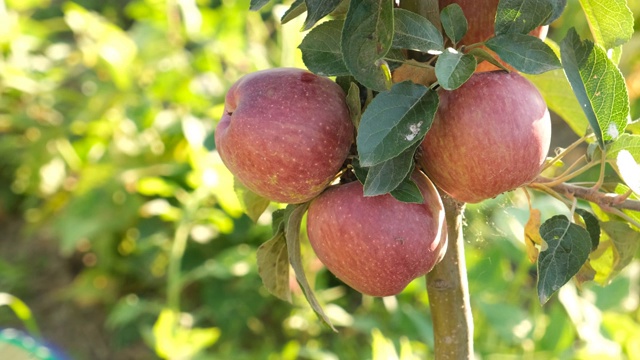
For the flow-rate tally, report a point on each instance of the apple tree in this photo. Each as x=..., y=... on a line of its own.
x=453, y=95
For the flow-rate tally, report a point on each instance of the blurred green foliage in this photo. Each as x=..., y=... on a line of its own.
x=107, y=114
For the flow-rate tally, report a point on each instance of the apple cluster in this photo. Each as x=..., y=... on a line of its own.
x=286, y=134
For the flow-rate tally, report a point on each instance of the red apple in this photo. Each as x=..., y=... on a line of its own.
x=489, y=136
x=285, y=133
x=481, y=16
x=377, y=245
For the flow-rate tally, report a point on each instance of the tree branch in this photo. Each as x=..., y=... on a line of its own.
x=605, y=200
x=449, y=293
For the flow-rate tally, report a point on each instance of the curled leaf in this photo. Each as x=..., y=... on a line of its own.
x=532, y=235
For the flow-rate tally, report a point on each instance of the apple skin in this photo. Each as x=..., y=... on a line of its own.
x=377, y=245
x=285, y=133
x=489, y=136
x=481, y=16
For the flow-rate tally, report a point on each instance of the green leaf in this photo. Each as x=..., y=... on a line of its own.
x=359, y=171
x=292, y=234
x=626, y=242
x=256, y=5
x=366, y=39
x=408, y=192
x=634, y=127
x=507, y=320
x=569, y=247
x=317, y=9
x=252, y=204
x=629, y=170
x=388, y=175
x=598, y=85
x=482, y=54
x=321, y=52
x=628, y=142
x=557, y=93
x=525, y=53
x=273, y=266
x=454, y=22
x=558, y=8
x=522, y=16
x=453, y=68
x=394, y=121
x=415, y=32
x=353, y=103
x=619, y=189
x=296, y=9
x=277, y=221
x=593, y=227
x=611, y=21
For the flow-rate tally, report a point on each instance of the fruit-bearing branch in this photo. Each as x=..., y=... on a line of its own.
x=606, y=201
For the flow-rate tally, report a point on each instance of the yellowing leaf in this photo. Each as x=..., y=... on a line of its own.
x=586, y=273
x=415, y=72
x=532, y=235
x=174, y=341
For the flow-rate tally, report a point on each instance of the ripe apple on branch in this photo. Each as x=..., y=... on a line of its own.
x=416, y=93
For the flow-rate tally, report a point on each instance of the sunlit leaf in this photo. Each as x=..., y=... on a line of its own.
x=611, y=21
x=525, y=53
x=173, y=341
x=629, y=170
x=626, y=242
x=153, y=185
x=454, y=22
x=558, y=95
x=634, y=127
x=568, y=249
x=21, y=310
x=628, y=142
x=104, y=39
x=382, y=348
x=598, y=85
x=395, y=121
x=366, y=39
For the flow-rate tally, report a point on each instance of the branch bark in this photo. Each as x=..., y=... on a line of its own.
x=449, y=293
x=604, y=200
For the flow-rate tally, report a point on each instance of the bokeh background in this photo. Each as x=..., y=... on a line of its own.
x=116, y=208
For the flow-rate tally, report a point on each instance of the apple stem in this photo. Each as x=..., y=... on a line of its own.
x=449, y=292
